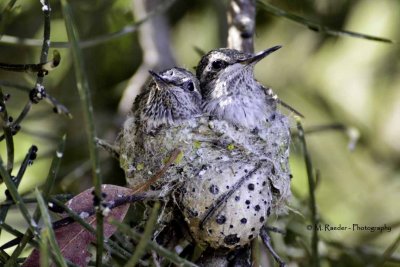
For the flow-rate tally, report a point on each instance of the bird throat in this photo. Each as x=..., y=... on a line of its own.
x=238, y=98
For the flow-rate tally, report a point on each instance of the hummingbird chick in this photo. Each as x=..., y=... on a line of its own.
x=230, y=90
x=161, y=120
x=245, y=112
x=173, y=97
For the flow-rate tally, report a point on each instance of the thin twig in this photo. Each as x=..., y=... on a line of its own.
x=109, y=244
x=313, y=205
x=365, y=251
x=388, y=252
x=112, y=204
x=30, y=200
x=316, y=26
x=12, y=189
x=8, y=133
x=41, y=68
x=53, y=171
x=10, y=202
x=3, y=256
x=23, y=113
x=46, y=37
x=275, y=230
x=48, y=230
x=86, y=103
x=290, y=108
x=144, y=187
x=146, y=237
x=111, y=149
x=44, y=260
x=152, y=245
x=28, y=158
x=36, y=94
x=83, y=44
x=267, y=242
x=27, y=237
x=9, y=229
x=326, y=127
x=352, y=133
x=4, y=14
x=57, y=106
x=139, y=193
x=241, y=25
x=22, y=242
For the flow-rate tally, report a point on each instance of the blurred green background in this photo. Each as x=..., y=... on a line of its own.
x=329, y=79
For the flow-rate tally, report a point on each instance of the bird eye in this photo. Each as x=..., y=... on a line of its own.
x=190, y=86
x=218, y=64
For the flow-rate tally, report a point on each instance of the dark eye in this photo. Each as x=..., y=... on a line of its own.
x=218, y=64
x=190, y=86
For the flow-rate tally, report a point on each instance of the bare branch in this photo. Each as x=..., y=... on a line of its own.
x=241, y=24
x=155, y=42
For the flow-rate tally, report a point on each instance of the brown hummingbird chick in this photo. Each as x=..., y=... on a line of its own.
x=162, y=119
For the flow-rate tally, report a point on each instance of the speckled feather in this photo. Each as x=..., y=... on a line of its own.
x=231, y=92
x=162, y=120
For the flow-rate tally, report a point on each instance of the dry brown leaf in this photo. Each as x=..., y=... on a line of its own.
x=73, y=239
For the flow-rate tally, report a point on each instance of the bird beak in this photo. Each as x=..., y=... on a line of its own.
x=159, y=79
x=257, y=57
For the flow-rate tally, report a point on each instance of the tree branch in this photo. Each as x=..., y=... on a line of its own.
x=155, y=42
x=241, y=24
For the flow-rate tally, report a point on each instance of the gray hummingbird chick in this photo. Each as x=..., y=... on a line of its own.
x=162, y=120
x=230, y=90
x=245, y=112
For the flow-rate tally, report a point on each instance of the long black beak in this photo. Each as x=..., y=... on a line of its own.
x=158, y=79
x=257, y=57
